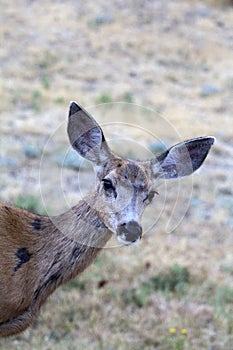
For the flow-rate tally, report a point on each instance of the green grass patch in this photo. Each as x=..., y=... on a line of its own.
x=127, y=97
x=173, y=280
x=104, y=98
x=137, y=296
x=36, y=100
x=46, y=81
x=224, y=295
x=30, y=203
x=59, y=100
x=223, y=306
x=75, y=284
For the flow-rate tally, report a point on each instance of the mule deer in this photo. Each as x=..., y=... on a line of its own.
x=39, y=253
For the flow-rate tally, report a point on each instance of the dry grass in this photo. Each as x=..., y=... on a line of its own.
x=159, y=55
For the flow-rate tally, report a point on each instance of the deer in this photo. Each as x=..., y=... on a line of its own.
x=39, y=253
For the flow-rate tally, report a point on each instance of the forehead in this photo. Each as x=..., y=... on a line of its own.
x=131, y=171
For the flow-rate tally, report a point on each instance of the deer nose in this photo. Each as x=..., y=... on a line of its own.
x=129, y=233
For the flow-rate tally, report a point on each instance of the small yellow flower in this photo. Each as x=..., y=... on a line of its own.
x=184, y=331
x=172, y=330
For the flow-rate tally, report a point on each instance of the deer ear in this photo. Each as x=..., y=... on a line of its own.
x=182, y=159
x=86, y=136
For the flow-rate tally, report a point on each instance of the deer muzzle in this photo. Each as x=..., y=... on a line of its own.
x=129, y=233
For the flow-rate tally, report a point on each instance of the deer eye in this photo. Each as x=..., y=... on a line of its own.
x=107, y=183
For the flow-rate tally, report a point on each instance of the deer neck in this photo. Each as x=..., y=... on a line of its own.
x=76, y=237
x=83, y=225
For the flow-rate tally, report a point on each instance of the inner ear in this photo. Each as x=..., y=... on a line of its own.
x=86, y=136
x=89, y=141
x=182, y=159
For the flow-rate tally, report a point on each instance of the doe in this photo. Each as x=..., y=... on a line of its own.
x=39, y=253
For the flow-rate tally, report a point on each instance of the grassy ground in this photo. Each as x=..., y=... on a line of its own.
x=170, y=63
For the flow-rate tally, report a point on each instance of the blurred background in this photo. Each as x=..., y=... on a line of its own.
x=152, y=73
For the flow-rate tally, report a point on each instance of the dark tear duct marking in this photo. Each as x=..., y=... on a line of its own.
x=36, y=224
x=23, y=256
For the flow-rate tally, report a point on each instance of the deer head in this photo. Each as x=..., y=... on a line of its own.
x=123, y=187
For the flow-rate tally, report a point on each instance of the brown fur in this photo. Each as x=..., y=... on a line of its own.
x=53, y=258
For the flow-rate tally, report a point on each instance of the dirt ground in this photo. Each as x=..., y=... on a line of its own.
x=165, y=70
